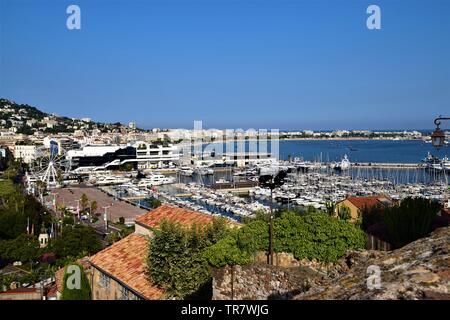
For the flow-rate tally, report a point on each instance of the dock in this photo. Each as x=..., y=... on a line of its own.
x=379, y=165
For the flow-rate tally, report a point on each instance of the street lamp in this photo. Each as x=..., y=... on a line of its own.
x=438, y=136
x=272, y=181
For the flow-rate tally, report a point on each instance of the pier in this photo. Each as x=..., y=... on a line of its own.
x=379, y=165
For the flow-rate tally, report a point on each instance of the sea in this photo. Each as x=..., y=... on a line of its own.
x=381, y=151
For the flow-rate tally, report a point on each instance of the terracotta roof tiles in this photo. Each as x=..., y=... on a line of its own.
x=125, y=260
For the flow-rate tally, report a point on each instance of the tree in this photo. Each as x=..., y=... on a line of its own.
x=76, y=241
x=331, y=208
x=73, y=288
x=344, y=213
x=176, y=260
x=84, y=201
x=94, y=206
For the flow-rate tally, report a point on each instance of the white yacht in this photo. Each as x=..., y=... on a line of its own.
x=154, y=180
x=108, y=180
x=186, y=171
x=204, y=171
x=343, y=165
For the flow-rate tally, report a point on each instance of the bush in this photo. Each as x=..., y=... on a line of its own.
x=312, y=236
x=411, y=219
x=81, y=293
x=176, y=260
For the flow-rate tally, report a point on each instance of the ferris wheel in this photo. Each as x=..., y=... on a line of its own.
x=50, y=168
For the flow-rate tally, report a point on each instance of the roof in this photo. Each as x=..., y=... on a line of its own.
x=125, y=261
x=169, y=213
x=369, y=202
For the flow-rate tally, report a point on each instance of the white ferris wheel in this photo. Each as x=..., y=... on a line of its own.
x=50, y=168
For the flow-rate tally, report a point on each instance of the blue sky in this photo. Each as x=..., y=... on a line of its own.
x=232, y=64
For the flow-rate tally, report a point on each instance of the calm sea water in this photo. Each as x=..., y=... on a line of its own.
x=387, y=151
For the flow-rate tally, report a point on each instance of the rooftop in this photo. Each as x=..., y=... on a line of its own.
x=125, y=261
x=153, y=218
x=370, y=201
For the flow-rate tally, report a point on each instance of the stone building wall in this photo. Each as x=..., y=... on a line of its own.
x=261, y=282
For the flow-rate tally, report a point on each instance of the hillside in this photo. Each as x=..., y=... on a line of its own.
x=23, y=118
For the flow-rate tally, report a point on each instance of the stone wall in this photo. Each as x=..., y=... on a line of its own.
x=260, y=281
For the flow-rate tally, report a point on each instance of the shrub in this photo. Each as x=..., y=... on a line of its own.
x=81, y=293
x=312, y=236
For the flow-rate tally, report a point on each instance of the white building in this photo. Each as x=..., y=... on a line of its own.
x=28, y=153
x=150, y=155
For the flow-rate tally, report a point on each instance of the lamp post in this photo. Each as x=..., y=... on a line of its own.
x=438, y=136
x=272, y=181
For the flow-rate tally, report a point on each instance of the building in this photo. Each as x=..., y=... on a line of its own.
x=358, y=204
x=119, y=272
x=145, y=223
x=149, y=155
x=28, y=153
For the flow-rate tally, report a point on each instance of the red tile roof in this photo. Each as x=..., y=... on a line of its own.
x=369, y=202
x=169, y=213
x=125, y=260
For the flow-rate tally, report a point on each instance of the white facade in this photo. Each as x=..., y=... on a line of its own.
x=28, y=153
x=149, y=155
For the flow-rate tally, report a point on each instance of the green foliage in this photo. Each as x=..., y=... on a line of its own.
x=410, y=220
x=330, y=208
x=154, y=203
x=81, y=293
x=76, y=241
x=344, y=213
x=312, y=236
x=84, y=201
x=24, y=248
x=17, y=209
x=176, y=259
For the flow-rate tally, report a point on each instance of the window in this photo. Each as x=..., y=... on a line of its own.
x=105, y=281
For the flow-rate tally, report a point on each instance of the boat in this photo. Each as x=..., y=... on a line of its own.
x=343, y=165
x=109, y=180
x=204, y=171
x=432, y=163
x=154, y=180
x=186, y=171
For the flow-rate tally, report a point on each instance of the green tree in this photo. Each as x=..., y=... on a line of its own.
x=94, y=206
x=70, y=290
x=75, y=241
x=344, y=213
x=84, y=201
x=176, y=261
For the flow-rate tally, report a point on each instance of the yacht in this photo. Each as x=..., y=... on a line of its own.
x=154, y=180
x=204, y=171
x=108, y=180
x=186, y=171
x=433, y=163
x=343, y=165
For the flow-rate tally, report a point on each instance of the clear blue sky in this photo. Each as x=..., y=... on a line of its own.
x=233, y=64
